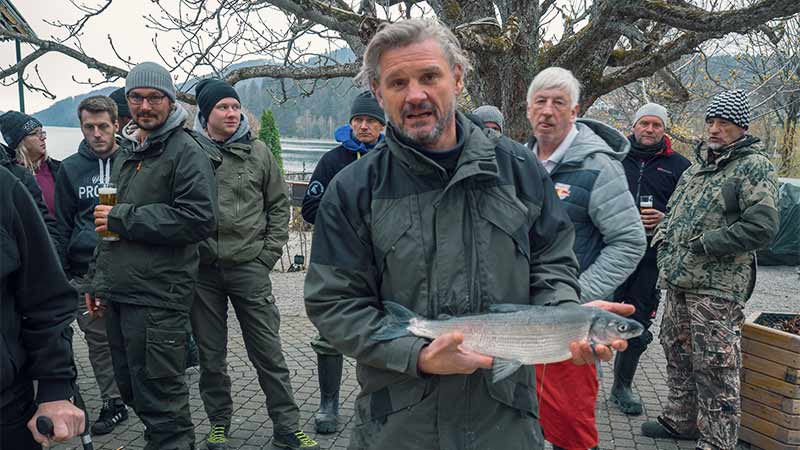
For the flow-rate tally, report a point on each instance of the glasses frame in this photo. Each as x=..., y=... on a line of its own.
x=152, y=100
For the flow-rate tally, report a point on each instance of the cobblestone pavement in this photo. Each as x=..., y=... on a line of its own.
x=251, y=429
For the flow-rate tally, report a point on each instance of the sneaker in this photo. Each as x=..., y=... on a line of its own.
x=112, y=413
x=217, y=438
x=295, y=440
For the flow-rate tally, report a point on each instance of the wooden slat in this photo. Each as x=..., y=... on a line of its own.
x=772, y=336
x=767, y=428
x=777, y=401
x=771, y=368
x=771, y=384
x=764, y=442
x=771, y=353
x=789, y=422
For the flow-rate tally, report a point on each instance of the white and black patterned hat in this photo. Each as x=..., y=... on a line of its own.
x=732, y=106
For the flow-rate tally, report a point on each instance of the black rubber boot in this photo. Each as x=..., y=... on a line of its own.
x=625, y=365
x=329, y=369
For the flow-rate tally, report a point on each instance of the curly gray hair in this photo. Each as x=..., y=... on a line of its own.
x=407, y=32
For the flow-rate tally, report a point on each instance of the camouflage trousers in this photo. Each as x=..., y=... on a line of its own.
x=701, y=336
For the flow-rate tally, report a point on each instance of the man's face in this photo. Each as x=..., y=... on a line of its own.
x=722, y=132
x=98, y=129
x=366, y=129
x=649, y=130
x=551, y=115
x=492, y=125
x=418, y=90
x=224, y=119
x=150, y=108
x=35, y=143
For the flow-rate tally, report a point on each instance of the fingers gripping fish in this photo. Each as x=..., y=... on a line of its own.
x=515, y=335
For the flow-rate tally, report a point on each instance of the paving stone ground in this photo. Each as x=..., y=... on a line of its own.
x=777, y=290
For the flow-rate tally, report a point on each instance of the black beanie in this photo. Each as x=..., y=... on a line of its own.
x=365, y=104
x=122, y=102
x=209, y=92
x=15, y=126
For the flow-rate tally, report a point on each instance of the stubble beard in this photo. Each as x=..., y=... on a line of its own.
x=424, y=139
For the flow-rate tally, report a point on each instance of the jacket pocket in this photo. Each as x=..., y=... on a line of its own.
x=510, y=218
x=396, y=252
x=517, y=391
x=378, y=405
x=165, y=353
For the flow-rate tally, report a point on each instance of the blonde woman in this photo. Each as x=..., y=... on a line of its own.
x=27, y=144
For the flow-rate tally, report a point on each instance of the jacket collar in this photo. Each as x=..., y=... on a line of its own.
x=477, y=155
x=745, y=146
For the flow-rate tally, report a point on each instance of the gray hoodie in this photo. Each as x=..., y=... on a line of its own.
x=609, y=236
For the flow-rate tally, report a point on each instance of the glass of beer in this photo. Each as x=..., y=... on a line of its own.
x=108, y=196
x=646, y=202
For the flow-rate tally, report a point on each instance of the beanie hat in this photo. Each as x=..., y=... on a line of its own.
x=732, y=106
x=209, y=92
x=489, y=113
x=652, y=109
x=15, y=126
x=122, y=103
x=150, y=75
x=365, y=104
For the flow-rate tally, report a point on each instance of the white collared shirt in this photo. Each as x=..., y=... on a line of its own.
x=556, y=157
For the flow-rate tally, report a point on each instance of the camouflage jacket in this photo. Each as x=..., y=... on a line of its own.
x=720, y=213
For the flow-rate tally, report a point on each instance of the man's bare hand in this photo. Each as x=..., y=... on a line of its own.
x=651, y=218
x=101, y=213
x=582, y=352
x=68, y=422
x=444, y=356
x=95, y=307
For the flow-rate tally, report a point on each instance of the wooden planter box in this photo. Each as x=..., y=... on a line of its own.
x=770, y=384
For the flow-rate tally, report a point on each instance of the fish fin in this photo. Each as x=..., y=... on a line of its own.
x=503, y=368
x=444, y=317
x=395, y=323
x=507, y=308
x=597, y=366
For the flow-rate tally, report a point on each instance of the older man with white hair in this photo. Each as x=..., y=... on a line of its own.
x=583, y=159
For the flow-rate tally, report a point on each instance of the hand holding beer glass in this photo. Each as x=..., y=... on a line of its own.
x=108, y=198
x=650, y=216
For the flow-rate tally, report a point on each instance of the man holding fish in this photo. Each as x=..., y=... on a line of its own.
x=449, y=220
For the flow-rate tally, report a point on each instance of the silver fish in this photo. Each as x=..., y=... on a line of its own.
x=516, y=335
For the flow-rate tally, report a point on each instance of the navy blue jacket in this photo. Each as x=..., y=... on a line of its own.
x=657, y=176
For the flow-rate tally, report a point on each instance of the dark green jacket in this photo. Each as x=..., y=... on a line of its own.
x=391, y=226
x=166, y=205
x=720, y=214
x=253, y=217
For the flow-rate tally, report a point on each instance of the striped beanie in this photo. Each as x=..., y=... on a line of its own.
x=732, y=106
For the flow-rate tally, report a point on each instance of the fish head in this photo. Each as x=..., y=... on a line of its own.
x=608, y=327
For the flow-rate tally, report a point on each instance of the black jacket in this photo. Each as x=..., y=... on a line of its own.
x=37, y=304
x=81, y=175
x=657, y=176
x=29, y=181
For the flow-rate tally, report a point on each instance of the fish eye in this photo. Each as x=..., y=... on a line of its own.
x=622, y=327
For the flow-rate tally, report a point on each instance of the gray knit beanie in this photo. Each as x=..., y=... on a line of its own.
x=652, y=109
x=365, y=104
x=489, y=113
x=150, y=75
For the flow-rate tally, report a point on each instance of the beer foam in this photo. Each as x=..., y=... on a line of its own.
x=106, y=191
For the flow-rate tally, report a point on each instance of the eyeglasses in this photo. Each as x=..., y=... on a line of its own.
x=154, y=100
x=41, y=134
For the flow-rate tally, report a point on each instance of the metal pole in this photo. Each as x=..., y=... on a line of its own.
x=20, y=86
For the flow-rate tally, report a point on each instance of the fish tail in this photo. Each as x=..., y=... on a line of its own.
x=396, y=323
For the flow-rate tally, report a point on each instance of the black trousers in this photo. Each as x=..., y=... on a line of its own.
x=14, y=417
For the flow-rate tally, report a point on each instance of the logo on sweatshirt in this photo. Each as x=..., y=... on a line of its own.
x=316, y=189
x=562, y=190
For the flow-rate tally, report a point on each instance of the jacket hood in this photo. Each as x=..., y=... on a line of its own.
x=242, y=132
x=175, y=120
x=344, y=135
x=596, y=137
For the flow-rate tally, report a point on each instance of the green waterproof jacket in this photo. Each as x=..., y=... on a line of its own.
x=166, y=205
x=253, y=206
x=393, y=226
x=720, y=214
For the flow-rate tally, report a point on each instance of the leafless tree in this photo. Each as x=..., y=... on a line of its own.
x=608, y=44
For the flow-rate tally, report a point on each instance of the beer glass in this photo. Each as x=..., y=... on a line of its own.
x=108, y=196
x=646, y=202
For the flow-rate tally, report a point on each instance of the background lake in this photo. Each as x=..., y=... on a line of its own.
x=299, y=155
